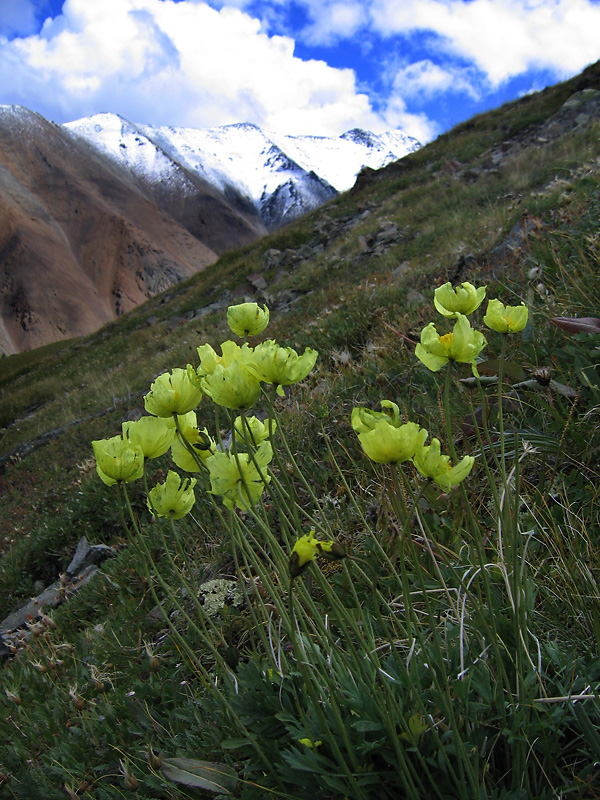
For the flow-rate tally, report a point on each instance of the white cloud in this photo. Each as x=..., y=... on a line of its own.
x=180, y=64
x=211, y=62
x=503, y=38
x=334, y=20
x=424, y=79
x=396, y=115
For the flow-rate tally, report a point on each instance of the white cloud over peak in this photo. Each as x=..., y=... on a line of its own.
x=205, y=63
x=396, y=114
x=180, y=64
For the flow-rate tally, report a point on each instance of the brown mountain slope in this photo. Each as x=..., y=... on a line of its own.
x=80, y=243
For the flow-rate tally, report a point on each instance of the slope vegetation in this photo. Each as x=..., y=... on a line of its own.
x=108, y=687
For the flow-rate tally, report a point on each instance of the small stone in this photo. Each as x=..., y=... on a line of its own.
x=86, y=555
x=257, y=280
x=414, y=297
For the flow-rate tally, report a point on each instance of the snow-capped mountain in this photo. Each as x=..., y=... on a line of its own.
x=281, y=176
x=84, y=239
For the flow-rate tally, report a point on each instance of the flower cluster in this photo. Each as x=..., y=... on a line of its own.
x=386, y=440
x=464, y=344
x=233, y=380
x=383, y=436
x=121, y=458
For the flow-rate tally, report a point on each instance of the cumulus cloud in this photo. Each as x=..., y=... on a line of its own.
x=425, y=79
x=211, y=62
x=502, y=38
x=333, y=21
x=180, y=64
x=395, y=112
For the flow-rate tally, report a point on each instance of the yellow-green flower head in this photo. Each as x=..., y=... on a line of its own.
x=506, y=319
x=304, y=551
x=387, y=444
x=230, y=352
x=237, y=479
x=430, y=462
x=463, y=300
x=253, y=429
x=307, y=548
x=247, y=319
x=364, y=420
x=174, y=498
x=309, y=742
x=199, y=440
x=463, y=344
x=281, y=366
x=172, y=393
x=118, y=459
x=184, y=421
x=233, y=386
x=151, y=433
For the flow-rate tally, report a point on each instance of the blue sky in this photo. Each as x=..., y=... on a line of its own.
x=301, y=67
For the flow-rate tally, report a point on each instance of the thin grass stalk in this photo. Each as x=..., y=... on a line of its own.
x=466, y=774
x=300, y=655
x=192, y=657
x=296, y=469
x=366, y=673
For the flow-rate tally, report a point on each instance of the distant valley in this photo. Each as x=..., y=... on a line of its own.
x=100, y=214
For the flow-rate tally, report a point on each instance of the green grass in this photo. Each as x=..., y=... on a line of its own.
x=112, y=683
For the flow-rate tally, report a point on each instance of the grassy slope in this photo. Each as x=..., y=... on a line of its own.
x=353, y=308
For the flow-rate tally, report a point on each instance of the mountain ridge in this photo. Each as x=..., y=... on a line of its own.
x=101, y=214
x=241, y=157
x=81, y=242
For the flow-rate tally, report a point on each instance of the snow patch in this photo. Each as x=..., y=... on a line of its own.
x=283, y=176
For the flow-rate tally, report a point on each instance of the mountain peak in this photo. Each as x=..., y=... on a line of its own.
x=243, y=158
x=242, y=126
x=359, y=135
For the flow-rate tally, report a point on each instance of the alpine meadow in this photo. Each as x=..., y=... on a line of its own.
x=322, y=520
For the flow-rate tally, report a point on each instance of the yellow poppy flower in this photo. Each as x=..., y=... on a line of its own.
x=463, y=344
x=506, y=319
x=174, y=498
x=463, y=300
x=430, y=462
x=118, y=459
x=247, y=319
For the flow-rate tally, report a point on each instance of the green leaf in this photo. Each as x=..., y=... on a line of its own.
x=203, y=774
x=588, y=729
x=366, y=725
x=233, y=744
